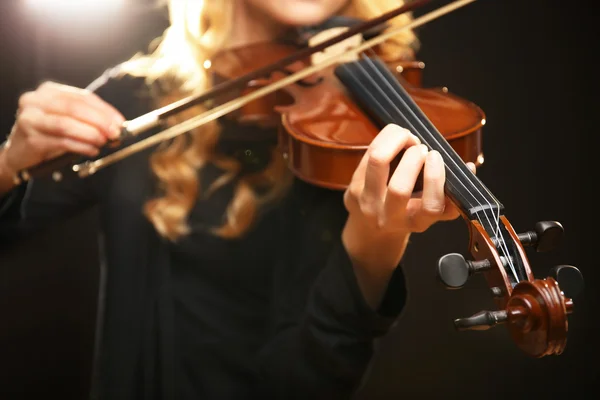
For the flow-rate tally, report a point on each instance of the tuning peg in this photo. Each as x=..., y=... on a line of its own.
x=481, y=321
x=545, y=237
x=569, y=278
x=454, y=271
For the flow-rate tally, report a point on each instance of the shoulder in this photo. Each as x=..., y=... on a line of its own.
x=129, y=94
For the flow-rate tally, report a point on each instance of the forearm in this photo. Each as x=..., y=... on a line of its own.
x=332, y=341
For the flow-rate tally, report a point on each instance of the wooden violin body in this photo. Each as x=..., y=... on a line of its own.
x=322, y=131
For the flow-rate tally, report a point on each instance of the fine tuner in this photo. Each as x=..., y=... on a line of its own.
x=526, y=306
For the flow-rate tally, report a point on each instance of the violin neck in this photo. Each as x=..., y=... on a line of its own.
x=379, y=93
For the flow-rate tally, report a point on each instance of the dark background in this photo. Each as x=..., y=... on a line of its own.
x=527, y=64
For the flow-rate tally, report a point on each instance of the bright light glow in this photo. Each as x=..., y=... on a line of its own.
x=73, y=8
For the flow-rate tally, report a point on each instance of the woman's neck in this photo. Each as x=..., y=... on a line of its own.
x=252, y=26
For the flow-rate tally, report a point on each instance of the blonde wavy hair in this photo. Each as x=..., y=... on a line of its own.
x=177, y=66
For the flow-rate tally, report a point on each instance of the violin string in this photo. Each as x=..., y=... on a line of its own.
x=391, y=118
x=498, y=233
x=413, y=127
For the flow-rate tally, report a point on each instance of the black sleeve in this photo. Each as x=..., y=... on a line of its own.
x=324, y=331
x=40, y=202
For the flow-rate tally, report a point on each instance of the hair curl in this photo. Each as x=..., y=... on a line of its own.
x=176, y=68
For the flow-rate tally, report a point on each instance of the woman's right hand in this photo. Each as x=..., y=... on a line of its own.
x=56, y=119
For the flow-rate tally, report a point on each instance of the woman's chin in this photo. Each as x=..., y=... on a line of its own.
x=300, y=12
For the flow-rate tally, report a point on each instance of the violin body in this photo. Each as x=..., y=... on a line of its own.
x=323, y=133
x=324, y=136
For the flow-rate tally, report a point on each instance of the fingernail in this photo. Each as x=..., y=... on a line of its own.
x=416, y=138
x=424, y=149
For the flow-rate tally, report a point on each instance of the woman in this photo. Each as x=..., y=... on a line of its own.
x=226, y=277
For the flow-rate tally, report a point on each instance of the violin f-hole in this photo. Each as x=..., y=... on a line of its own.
x=305, y=83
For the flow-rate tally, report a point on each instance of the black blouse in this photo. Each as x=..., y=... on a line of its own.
x=275, y=314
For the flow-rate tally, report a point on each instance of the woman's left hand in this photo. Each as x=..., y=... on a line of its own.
x=382, y=213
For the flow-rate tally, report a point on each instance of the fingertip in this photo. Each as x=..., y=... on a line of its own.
x=114, y=131
x=390, y=128
x=87, y=151
x=434, y=156
x=91, y=151
x=413, y=139
x=119, y=118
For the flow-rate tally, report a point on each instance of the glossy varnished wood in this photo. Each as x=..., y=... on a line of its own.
x=323, y=133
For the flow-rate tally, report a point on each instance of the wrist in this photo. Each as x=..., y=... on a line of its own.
x=7, y=174
x=370, y=249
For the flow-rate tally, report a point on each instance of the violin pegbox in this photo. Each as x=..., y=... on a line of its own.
x=535, y=311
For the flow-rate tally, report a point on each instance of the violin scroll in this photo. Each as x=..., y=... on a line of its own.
x=536, y=317
x=535, y=311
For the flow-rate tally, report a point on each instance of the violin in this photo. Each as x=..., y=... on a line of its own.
x=328, y=108
x=324, y=132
